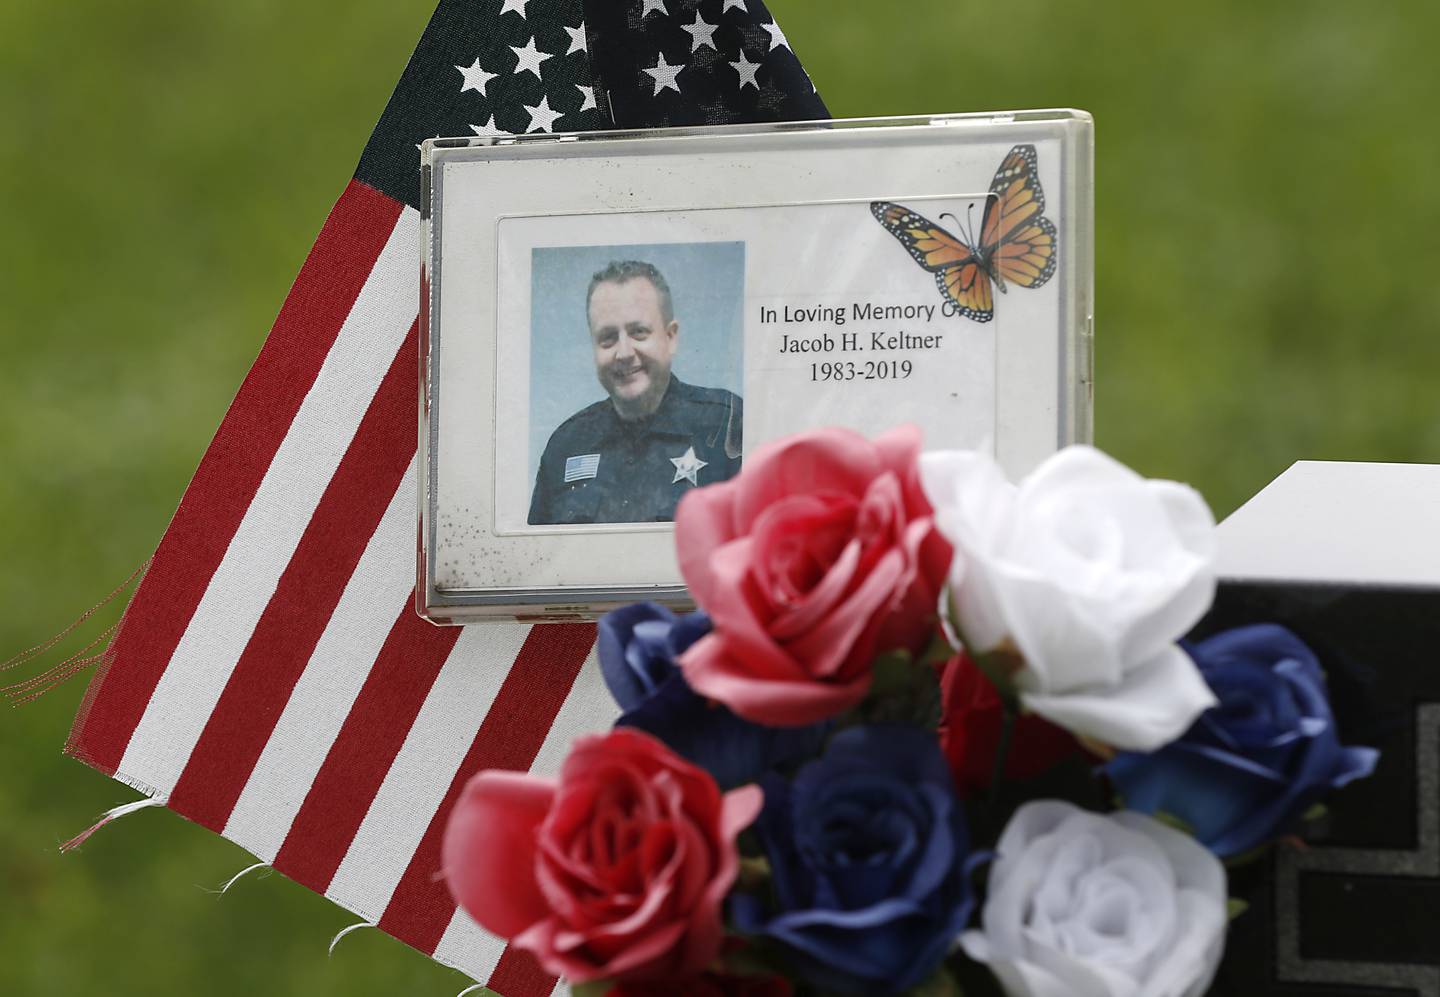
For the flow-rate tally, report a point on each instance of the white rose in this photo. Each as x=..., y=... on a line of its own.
x=1084, y=905
x=1091, y=572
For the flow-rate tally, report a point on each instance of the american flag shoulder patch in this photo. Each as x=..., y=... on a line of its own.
x=581, y=467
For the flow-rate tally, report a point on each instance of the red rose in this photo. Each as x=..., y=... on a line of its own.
x=615, y=871
x=970, y=731
x=820, y=555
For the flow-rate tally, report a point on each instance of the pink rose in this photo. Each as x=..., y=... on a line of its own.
x=819, y=556
x=615, y=871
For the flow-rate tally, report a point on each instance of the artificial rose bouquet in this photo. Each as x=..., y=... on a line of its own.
x=804, y=784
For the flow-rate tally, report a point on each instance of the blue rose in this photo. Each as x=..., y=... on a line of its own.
x=1250, y=767
x=638, y=646
x=867, y=850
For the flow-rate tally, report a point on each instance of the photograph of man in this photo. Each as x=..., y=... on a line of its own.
x=630, y=457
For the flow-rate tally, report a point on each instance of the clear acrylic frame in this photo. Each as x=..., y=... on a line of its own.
x=933, y=269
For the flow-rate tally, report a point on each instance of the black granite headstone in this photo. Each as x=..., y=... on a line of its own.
x=1355, y=912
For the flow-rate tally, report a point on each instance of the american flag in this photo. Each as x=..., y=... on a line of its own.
x=270, y=679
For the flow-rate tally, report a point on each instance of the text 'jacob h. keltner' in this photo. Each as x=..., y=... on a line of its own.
x=854, y=342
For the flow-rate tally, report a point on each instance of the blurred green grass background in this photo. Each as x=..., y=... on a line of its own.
x=1266, y=290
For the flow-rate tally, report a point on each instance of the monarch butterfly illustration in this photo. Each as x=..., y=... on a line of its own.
x=1016, y=243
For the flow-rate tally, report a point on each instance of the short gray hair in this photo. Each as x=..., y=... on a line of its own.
x=621, y=271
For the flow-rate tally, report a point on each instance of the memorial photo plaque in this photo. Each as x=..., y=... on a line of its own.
x=614, y=318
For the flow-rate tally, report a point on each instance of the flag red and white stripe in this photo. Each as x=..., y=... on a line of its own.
x=272, y=680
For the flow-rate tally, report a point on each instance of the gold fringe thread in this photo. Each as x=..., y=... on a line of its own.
x=31, y=689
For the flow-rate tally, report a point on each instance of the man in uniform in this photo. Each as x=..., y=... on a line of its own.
x=631, y=457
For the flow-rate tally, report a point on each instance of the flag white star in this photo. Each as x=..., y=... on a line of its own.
x=687, y=467
x=515, y=6
x=734, y=3
x=701, y=33
x=664, y=75
x=653, y=6
x=542, y=117
x=588, y=95
x=489, y=128
x=777, y=37
x=475, y=77
x=746, y=69
x=528, y=59
x=577, y=40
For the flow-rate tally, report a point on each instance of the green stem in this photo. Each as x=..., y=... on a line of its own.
x=997, y=774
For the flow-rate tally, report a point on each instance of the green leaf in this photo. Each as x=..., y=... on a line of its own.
x=938, y=984
x=1248, y=857
x=1174, y=822
x=902, y=692
x=1000, y=668
x=891, y=673
x=594, y=988
x=1234, y=907
x=1318, y=811
x=754, y=873
x=748, y=961
x=937, y=653
x=758, y=957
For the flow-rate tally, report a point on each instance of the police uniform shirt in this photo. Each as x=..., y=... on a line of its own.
x=599, y=468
